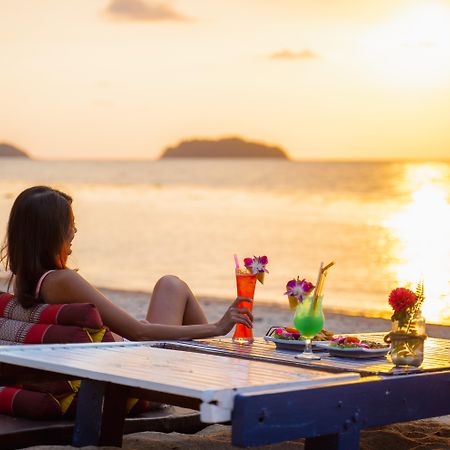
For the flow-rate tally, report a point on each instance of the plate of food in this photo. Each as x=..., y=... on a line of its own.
x=353, y=347
x=288, y=338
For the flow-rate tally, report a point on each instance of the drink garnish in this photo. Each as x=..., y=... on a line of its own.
x=257, y=266
x=296, y=289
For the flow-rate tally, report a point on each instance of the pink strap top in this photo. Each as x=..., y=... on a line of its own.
x=39, y=283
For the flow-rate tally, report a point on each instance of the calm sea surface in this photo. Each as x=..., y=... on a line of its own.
x=385, y=224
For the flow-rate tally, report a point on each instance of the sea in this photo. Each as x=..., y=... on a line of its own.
x=385, y=224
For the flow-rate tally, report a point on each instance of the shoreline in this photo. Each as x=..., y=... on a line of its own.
x=267, y=315
x=383, y=316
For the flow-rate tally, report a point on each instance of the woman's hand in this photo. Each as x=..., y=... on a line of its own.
x=234, y=315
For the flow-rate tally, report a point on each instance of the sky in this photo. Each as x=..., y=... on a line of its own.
x=323, y=79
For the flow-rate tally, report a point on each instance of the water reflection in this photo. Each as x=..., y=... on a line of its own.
x=421, y=232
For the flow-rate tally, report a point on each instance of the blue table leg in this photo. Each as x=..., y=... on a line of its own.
x=89, y=414
x=100, y=414
x=114, y=413
x=348, y=440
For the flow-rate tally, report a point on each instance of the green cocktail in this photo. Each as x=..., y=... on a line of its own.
x=309, y=325
x=308, y=320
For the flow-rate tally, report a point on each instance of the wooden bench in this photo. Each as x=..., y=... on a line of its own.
x=18, y=433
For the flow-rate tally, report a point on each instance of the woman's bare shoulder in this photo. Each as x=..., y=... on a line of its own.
x=65, y=285
x=60, y=274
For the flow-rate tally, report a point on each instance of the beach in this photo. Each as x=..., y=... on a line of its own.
x=419, y=435
x=186, y=138
x=431, y=434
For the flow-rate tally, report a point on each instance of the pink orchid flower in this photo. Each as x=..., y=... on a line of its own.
x=298, y=288
x=257, y=264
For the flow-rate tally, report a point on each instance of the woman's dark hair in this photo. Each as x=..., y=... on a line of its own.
x=38, y=225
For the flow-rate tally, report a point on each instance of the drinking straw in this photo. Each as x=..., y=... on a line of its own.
x=236, y=262
x=321, y=280
x=332, y=263
x=319, y=276
x=316, y=291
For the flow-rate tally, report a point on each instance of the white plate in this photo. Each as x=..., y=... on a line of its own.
x=294, y=345
x=353, y=352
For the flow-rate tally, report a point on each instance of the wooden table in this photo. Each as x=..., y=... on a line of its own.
x=436, y=358
x=266, y=395
x=335, y=415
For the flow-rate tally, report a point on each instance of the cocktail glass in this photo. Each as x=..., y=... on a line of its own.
x=245, y=283
x=308, y=320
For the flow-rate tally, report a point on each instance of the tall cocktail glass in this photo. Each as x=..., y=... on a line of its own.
x=245, y=284
x=308, y=320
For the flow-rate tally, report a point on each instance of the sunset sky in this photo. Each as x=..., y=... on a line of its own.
x=324, y=79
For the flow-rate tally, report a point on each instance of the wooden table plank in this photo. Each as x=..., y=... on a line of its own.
x=437, y=356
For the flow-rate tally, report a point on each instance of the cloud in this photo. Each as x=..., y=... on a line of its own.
x=143, y=11
x=289, y=54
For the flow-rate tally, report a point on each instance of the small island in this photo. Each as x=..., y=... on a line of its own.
x=232, y=147
x=11, y=151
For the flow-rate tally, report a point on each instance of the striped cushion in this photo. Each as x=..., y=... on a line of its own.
x=13, y=331
x=76, y=314
x=50, y=324
x=30, y=404
x=46, y=324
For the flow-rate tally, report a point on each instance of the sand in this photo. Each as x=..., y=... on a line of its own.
x=419, y=435
x=266, y=316
x=431, y=434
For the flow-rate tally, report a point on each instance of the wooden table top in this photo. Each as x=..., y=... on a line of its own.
x=210, y=378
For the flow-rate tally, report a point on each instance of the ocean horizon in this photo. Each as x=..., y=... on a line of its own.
x=384, y=223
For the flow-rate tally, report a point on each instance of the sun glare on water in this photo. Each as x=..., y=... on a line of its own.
x=421, y=230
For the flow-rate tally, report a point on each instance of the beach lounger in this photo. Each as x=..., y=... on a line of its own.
x=39, y=411
x=17, y=432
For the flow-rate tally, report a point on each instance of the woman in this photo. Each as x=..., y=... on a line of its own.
x=38, y=243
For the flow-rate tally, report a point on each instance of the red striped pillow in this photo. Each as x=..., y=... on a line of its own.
x=76, y=314
x=47, y=324
x=30, y=404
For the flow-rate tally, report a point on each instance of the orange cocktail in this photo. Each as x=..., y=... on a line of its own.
x=245, y=283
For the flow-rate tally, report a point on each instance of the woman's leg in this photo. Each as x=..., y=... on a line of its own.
x=173, y=303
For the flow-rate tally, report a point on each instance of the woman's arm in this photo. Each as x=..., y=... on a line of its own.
x=67, y=286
